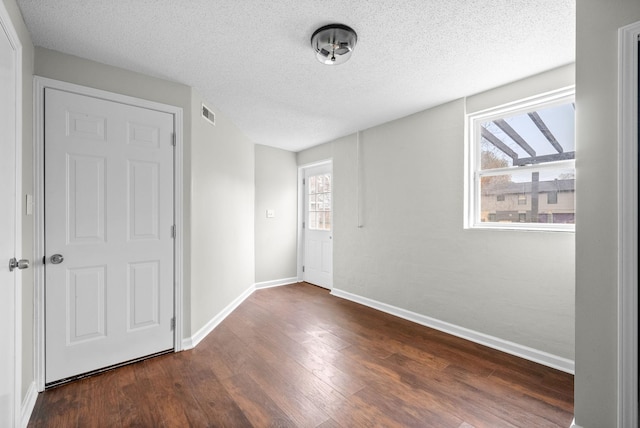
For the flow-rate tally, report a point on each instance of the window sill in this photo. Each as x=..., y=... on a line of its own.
x=527, y=227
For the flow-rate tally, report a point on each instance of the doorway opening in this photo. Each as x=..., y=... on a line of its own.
x=153, y=211
x=315, y=217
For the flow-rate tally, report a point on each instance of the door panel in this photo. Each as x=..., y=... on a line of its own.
x=144, y=290
x=86, y=187
x=143, y=200
x=109, y=213
x=86, y=305
x=318, y=230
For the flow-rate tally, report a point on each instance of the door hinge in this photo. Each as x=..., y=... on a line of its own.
x=173, y=231
x=173, y=323
x=303, y=224
x=302, y=268
x=173, y=139
x=304, y=181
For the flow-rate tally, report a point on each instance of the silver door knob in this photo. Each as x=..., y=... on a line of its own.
x=20, y=264
x=56, y=259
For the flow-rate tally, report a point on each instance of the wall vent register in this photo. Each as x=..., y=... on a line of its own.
x=208, y=115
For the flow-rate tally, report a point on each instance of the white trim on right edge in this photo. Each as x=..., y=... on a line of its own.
x=573, y=424
x=628, y=57
x=525, y=352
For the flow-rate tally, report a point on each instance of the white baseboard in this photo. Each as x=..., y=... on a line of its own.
x=573, y=424
x=525, y=352
x=192, y=342
x=28, y=404
x=276, y=283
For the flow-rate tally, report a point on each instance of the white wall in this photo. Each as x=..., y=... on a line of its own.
x=222, y=207
x=276, y=238
x=413, y=252
x=596, y=224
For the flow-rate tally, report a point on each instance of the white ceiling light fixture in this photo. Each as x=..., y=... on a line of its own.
x=334, y=43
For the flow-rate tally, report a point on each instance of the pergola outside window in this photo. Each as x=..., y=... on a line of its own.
x=521, y=160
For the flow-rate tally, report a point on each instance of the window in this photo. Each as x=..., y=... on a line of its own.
x=517, y=154
x=320, y=202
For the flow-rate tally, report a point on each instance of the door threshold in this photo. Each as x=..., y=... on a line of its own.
x=67, y=380
x=316, y=285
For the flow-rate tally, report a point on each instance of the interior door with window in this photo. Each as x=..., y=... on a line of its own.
x=318, y=226
x=109, y=272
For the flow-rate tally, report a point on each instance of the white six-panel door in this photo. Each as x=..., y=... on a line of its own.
x=108, y=233
x=318, y=226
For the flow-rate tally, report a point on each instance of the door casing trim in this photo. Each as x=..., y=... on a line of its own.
x=39, y=85
x=628, y=99
x=7, y=26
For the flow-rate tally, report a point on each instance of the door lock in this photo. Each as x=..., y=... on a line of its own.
x=56, y=259
x=20, y=264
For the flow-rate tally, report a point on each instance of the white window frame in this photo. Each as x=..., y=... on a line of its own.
x=472, y=160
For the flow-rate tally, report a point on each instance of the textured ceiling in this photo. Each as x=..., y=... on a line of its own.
x=252, y=60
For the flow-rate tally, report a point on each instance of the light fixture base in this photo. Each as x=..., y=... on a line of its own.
x=334, y=43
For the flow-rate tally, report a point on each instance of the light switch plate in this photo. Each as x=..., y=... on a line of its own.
x=29, y=205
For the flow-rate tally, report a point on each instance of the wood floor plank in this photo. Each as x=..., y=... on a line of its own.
x=138, y=401
x=297, y=356
x=258, y=407
x=311, y=386
x=436, y=389
x=59, y=410
x=100, y=396
x=293, y=402
x=251, y=332
x=217, y=406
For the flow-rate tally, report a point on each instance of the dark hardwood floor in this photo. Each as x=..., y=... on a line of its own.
x=295, y=356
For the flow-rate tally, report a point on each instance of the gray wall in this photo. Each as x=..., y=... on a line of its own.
x=27, y=188
x=222, y=201
x=276, y=238
x=413, y=252
x=596, y=262
x=596, y=229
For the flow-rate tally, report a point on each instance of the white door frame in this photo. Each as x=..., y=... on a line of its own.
x=40, y=83
x=7, y=26
x=301, y=199
x=628, y=38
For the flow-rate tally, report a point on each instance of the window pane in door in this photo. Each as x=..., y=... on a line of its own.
x=313, y=223
x=320, y=202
